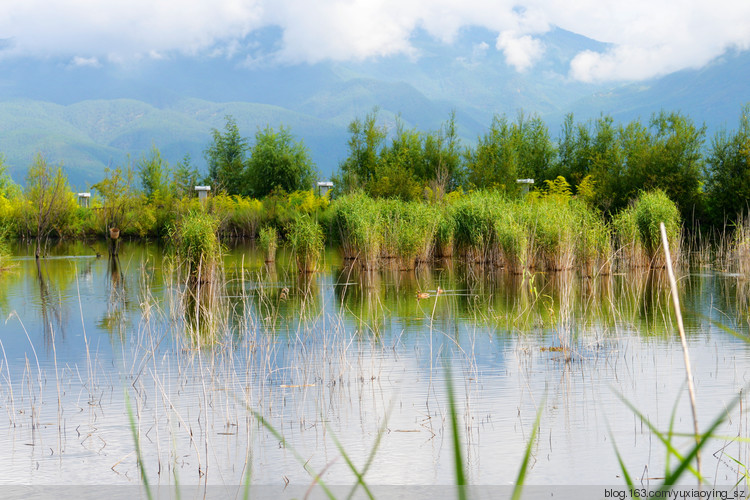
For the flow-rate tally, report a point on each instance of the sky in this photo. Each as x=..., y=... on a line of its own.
x=647, y=37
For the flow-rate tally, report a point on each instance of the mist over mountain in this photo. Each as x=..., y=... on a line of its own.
x=88, y=114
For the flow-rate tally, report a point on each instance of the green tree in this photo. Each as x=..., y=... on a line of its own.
x=402, y=167
x=536, y=152
x=675, y=161
x=227, y=157
x=184, y=177
x=154, y=172
x=365, y=146
x=606, y=160
x=119, y=199
x=728, y=172
x=494, y=162
x=277, y=161
x=49, y=196
x=8, y=188
x=442, y=153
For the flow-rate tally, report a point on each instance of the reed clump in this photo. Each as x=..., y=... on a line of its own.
x=475, y=216
x=268, y=241
x=305, y=237
x=197, y=245
x=445, y=232
x=548, y=230
x=514, y=238
x=409, y=229
x=358, y=223
x=739, y=247
x=637, y=230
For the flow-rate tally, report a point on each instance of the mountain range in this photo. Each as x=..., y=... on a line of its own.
x=92, y=116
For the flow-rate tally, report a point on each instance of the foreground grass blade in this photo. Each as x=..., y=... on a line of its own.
x=359, y=475
x=457, y=457
x=525, y=464
x=300, y=458
x=623, y=468
x=137, y=442
x=672, y=478
x=667, y=442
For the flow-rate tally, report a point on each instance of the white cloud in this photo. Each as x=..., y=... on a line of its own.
x=521, y=52
x=648, y=37
x=79, y=61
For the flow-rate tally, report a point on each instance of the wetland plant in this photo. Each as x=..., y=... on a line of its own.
x=637, y=230
x=410, y=232
x=306, y=239
x=268, y=241
x=475, y=217
x=357, y=221
x=197, y=245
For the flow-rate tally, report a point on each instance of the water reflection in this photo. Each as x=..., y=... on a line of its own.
x=50, y=309
x=353, y=351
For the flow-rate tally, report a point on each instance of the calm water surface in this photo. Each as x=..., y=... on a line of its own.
x=354, y=357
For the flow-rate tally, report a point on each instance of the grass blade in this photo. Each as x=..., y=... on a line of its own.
x=456, y=438
x=525, y=463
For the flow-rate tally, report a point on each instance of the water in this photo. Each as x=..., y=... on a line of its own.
x=355, y=358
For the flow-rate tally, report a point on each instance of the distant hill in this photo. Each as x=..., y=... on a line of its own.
x=91, y=117
x=89, y=135
x=713, y=95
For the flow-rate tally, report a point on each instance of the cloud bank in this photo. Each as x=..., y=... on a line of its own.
x=647, y=38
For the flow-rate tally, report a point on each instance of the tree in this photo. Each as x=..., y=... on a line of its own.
x=728, y=172
x=676, y=161
x=8, y=188
x=365, y=147
x=119, y=198
x=494, y=162
x=154, y=171
x=536, y=152
x=227, y=158
x=184, y=177
x=49, y=196
x=442, y=152
x=402, y=168
x=277, y=161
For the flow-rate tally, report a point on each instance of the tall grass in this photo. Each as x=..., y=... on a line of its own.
x=268, y=241
x=637, y=230
x=306, y=239
x=197, y=245
x=358, y=223
x=409, y=229
x=475, y=216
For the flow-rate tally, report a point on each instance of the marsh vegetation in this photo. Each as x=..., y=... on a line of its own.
x=277, y=375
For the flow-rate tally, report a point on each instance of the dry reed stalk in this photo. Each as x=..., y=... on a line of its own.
x=685, y=352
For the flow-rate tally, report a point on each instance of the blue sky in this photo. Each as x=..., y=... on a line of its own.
x=648, y=38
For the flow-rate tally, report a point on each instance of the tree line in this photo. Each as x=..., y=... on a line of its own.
x=608, y=163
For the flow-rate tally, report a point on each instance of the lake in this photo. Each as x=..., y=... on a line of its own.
x=346, y=365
